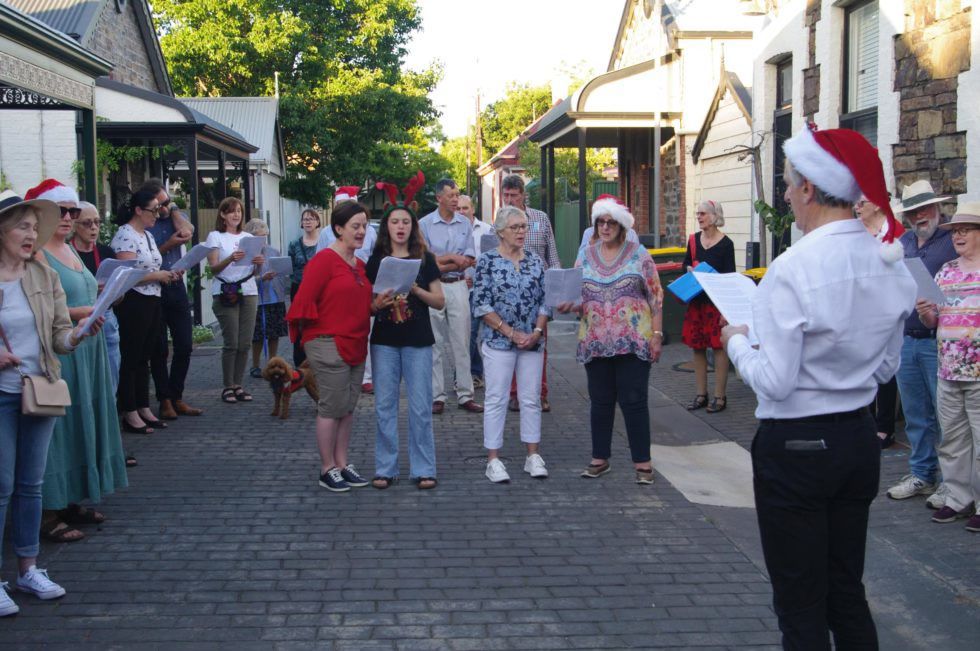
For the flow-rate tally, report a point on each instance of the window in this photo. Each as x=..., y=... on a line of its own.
x=782, y=130
x=784, y=84
x=861, y=70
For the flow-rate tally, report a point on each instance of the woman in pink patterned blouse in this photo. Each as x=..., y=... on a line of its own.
x=958, y=395
x=620, y=335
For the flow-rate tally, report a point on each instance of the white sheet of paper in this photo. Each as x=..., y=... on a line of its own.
x=396, y=274
x=108, y=266
x=283, y=266
x=192, y=258
x=252, y=246
x=732, y=294
x=925, y=284
x=488, y=242
x=562, y=286
x=121, y=281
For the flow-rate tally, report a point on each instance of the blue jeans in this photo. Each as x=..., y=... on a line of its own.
x=917, y=377
x=414, y=365
x=111, y=330
x=476, y=361
x=23, y=455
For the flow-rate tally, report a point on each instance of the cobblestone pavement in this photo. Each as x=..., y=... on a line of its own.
x=223, y=539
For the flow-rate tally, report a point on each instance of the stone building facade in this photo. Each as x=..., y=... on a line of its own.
x=118, y=36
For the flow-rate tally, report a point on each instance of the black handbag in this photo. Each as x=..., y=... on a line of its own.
x=229, y=294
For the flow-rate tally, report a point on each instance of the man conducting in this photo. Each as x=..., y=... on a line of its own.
x=828, y=318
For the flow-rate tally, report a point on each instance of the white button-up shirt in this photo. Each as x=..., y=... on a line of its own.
x=828, y=315
x=327, y=238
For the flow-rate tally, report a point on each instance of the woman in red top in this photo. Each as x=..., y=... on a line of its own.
x=331, y=317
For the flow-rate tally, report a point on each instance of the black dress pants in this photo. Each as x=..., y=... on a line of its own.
x=885, y=406
x=139, y=327
x=620, y=379
x=176, y=318
x=814, y=483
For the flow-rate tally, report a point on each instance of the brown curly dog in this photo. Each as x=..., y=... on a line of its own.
x=285, y=380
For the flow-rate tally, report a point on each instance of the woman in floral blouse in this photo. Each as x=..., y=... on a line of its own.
x=958, y=394
x=508, y=294
x=620, y=335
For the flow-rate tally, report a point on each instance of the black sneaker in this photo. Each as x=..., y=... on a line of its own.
x=352, y=478
x=332, y=480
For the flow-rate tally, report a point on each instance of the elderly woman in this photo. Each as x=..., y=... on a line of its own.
x=85, y=457
x=270, y=320
x=139, y=311
x=958, y=397
x=885, y=405
x=620, y=335
x=508, y=294
x=35, y=329
x=331, y=316
x=301, y=251
x=702, y=321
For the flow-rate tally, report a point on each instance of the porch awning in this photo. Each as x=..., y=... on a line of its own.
x=644, y=95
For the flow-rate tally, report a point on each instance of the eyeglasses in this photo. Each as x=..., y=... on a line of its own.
x=74, y=212
x=963, y=230
x=164, y=204
x=860, y=204
x=517, y=228
x=153, y=208
x=89, y=223
x=599, y=223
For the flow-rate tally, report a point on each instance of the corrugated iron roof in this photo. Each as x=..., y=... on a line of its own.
x=72, y=17
x=253, y=117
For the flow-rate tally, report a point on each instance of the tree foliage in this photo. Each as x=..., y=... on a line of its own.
x=504, y=119
x=349, y=112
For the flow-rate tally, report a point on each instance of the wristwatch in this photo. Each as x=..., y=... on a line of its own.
x=539, y=331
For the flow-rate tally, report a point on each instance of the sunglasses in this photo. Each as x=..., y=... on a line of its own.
x=74, y=212
x=89, y=223
x=599, y=223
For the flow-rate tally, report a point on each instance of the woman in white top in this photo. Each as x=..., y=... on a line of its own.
x=139, y=312
x=235, y=295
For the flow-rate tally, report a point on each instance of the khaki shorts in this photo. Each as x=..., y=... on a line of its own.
x=338, y=382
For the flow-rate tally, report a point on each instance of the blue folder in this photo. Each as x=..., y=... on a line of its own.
x=687, y=286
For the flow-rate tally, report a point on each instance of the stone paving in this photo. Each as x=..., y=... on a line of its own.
x=224, y=539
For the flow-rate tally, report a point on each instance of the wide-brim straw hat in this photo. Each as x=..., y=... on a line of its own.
x=917, y=194
x=966, y=213
x=48, y=214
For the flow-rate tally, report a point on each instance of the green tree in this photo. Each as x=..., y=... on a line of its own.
x=349, y=112
x=506, y=118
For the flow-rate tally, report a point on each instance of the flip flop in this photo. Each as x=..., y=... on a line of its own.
x=241, y=395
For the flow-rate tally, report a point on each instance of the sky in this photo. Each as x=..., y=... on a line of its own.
x=484, y=45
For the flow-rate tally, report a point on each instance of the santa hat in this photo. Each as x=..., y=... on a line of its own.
x=610, y=206
x=346, y=193
x=843, y=164
x=52, y=190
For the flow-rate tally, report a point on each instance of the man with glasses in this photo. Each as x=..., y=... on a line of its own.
x=171, y=232
x=918, y=373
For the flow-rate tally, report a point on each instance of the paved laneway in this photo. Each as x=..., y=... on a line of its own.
x=224, y=540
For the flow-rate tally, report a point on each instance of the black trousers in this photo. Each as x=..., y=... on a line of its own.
x=621, y=379
x=176, y=318
x=814, y=483
x=299, y=355
x=139, y=327
x=885, y=406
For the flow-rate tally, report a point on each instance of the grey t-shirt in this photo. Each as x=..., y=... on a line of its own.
x=20, y=328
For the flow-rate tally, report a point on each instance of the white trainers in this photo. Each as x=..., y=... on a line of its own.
x=37, y=583
x=937, y=500
x=534, y=466
x=7, y=605
x=910, y=486
x=497, y=472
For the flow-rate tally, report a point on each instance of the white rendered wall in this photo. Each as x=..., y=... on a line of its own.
x=35, y=145
x=967, y=111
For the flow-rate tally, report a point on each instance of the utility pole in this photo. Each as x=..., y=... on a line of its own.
x=469, y=189
x=479, y=133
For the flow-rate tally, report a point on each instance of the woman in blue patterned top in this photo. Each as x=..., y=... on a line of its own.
x=508, y=295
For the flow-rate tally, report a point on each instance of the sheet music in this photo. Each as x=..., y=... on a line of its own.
x=108, y=266
x=192, y=258
x=252, y=246
x=925, y=284
x=282, y=265
x=396, y=274
x=562, y=286
x=732, y=294
x=489, y=242
x=121, y=281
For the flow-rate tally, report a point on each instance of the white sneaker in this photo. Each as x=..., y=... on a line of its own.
x=534, y=466
x=7, y=605
x=910, y=486
x=938, y=499
x=37, y=583
x=497, y=472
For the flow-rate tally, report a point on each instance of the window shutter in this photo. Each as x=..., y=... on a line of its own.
x=862, y=67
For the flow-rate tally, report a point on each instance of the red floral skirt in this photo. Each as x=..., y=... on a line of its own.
x=702, y=326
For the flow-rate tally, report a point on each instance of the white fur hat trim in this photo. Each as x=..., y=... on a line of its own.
x=60, y=194
x=820, y=167
x=614, y=209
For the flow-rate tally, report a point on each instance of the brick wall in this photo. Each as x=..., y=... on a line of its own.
x=117, y=38
x=932, y=51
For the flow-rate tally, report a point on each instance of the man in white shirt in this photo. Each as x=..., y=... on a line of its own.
x=828, y=318
x=480, y=228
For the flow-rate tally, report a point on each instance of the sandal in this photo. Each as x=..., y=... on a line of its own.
x=132, y=429
x=426, y=483
x=78, y=514
x=382, y=483
x=228, y=395
x=718, y=404
x=131, y=461
x=155, y=423
x=59, y=532
x=241, y=395
x=700, y=402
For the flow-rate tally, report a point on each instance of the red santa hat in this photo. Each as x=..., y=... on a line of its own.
x=346, y=193
x=843, y=164
x=52, y=190
x=610, y=206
